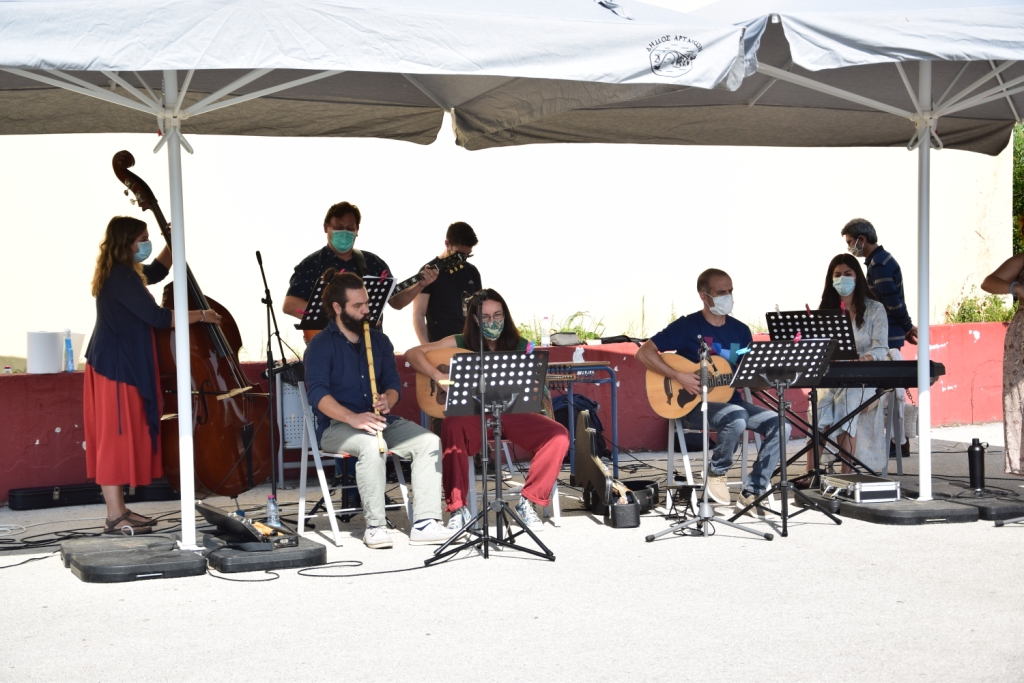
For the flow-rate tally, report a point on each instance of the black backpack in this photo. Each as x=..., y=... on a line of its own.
x=560, y=403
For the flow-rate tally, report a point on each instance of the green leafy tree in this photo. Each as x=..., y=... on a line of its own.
x=1018, y=188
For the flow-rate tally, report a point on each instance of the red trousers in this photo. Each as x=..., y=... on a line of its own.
x=545, y=438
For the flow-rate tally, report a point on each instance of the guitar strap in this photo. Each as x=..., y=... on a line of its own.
x=361, y=268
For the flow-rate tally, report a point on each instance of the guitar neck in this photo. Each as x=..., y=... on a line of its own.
x=406, y=284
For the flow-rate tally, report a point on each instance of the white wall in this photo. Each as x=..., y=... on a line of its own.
x=562, y=227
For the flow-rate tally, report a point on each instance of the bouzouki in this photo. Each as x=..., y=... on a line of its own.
x=450, y=264
x=670, y=400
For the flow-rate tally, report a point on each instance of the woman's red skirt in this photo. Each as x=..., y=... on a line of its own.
x=118, y=448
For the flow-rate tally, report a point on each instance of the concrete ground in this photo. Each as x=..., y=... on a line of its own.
x=854, y=602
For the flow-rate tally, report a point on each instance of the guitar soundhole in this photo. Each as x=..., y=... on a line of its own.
x=684, y=397
x=442, y=394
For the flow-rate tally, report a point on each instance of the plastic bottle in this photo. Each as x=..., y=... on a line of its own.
x=7, y=369
x=545, y=332
x=69, y=352
x=273, y=512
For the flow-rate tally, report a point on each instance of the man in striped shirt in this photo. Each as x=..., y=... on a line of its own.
x=886, y=282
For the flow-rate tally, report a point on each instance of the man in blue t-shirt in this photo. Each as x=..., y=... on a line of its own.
x=728, y=338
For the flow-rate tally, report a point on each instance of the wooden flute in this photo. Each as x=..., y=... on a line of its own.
x=373, y=383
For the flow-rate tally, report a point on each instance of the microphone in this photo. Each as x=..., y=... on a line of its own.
x=258, y=257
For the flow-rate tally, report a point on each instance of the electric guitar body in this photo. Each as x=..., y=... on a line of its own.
x=670, y=400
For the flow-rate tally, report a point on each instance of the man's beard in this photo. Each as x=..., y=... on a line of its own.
x=352, y=324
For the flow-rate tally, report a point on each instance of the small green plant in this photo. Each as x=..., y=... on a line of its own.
x=975, y=308
x=580, y=322
x=672, y=315
x=758, y=327
x=632, y=330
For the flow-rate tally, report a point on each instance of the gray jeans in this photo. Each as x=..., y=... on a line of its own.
x=405, y=439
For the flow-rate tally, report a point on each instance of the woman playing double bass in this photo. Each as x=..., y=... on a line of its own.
x=122, y=403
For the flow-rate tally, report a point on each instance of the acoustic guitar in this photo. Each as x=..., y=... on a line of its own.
x=429, y=395
x=670, y=400
x=452, y=263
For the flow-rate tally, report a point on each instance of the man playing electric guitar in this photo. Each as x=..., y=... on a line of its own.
x=342, y=227
x=727, y=337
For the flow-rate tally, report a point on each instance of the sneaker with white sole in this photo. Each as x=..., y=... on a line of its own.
x=429, y=532
x=718, y=489
x=459, y=518
x=526, y=512
x=745, y=498
x=377, y=537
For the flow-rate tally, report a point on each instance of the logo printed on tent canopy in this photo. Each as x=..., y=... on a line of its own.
x=673, y=56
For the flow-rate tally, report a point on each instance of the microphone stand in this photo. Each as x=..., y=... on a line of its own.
x=272, y=331
x=705, y=518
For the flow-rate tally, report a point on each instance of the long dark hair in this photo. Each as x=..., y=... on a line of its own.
x=116, y=248
x=830, y=297
x=509, y=339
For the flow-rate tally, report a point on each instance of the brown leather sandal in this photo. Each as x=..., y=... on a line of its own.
x=142, y=519
x=123, y=526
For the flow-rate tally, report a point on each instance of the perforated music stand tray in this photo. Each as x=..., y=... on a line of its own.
x=378, y=288
x=768, y=362
x=822, y=324
x=508, y=374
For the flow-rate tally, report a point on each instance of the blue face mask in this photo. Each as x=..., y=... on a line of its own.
x=844, y=284
x=342, y=240
x=145, y=249
x=493, y=329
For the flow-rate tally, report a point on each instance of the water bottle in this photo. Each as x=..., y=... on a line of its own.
x=273, y=512
x=7, y=369
x=545, y=332
x=69, y=352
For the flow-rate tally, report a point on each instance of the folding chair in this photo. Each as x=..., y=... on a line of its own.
x=310, y=445
x=676, y=427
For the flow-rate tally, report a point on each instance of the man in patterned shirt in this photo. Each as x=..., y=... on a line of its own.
x=886, y=282
x=342, y=227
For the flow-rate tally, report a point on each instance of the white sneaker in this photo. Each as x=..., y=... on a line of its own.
x=430, y=533
x=377, y=537
x=459, y=519
x=526, y=512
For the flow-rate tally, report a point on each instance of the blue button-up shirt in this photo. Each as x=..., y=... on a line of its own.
x=337, y=367
x=886, y=282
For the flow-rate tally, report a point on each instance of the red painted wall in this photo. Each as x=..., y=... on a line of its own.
x=41, y=439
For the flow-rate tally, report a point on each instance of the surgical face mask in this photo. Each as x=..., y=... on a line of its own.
x=145, y=249
x=844, y=284
x=342, y=240
x=722, y=305
x=855, y=250
x=493, y=329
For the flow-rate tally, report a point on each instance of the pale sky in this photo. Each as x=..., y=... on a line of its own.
x=620, y=231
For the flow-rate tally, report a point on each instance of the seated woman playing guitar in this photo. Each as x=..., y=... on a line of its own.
x=460, y=436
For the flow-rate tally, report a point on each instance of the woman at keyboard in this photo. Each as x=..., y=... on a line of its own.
x=863, y=436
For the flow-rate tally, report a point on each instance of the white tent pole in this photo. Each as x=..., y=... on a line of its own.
x=182, y=353
x=924, y=405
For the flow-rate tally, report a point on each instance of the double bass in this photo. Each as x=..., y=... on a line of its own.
x=231, y=423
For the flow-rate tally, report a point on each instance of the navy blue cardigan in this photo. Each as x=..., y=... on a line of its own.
x=121, y=347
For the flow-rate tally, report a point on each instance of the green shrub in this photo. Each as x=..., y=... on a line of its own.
x=972, y=308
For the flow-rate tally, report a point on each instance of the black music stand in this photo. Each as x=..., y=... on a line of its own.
x=494, y=382
x=819, y=324
x=781, y=365
x=378, y=287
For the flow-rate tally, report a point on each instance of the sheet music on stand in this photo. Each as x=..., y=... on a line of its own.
x=821, y=324
x=378, y=288
x=507, y=372
x=770, y=360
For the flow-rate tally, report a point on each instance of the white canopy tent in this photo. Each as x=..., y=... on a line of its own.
x=820, y=74
x=330, y=68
